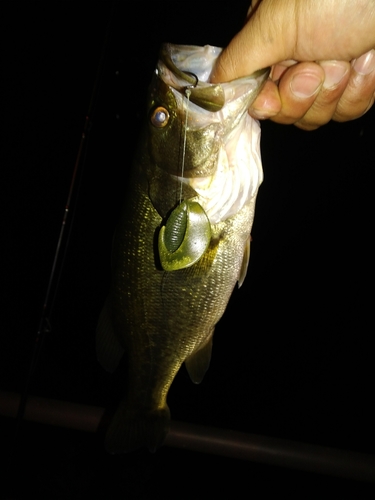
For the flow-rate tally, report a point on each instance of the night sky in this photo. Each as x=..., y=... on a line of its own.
x=293, y=355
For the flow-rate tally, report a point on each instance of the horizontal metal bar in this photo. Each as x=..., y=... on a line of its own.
x=263, y=449
x=273, y=451
x=53, y=412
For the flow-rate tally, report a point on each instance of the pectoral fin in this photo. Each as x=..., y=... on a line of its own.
x=108, y=349
x=198, y=363
x=245, y=262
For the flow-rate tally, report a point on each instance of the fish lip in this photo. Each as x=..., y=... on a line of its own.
x=209, y=96
x=166, y=56
x=168, y=50
x=206, y=95
x=220, y=180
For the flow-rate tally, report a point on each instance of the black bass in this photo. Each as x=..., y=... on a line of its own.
x=183, y=240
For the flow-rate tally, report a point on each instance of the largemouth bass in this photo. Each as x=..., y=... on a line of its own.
x=183, y=239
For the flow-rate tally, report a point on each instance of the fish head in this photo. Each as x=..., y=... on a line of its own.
x=194, y=125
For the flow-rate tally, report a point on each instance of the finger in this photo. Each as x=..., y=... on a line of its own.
x=298, y=88
x=359, y=93
x=279, y=69
x=258, y=44
x=268, y=103
x=250, y=10
x=336, y=76
x=306, y=31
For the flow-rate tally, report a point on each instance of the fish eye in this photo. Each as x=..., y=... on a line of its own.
x=160, y=117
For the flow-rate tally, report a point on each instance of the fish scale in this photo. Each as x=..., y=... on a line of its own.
x=160, y=319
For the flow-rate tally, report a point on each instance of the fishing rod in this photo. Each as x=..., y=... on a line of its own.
x=66, y=224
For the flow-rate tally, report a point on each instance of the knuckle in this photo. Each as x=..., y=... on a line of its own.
x=348, y=110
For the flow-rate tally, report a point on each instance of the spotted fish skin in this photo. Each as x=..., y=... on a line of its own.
x=160, y=319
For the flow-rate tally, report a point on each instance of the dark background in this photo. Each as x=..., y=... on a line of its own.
x=293, y=356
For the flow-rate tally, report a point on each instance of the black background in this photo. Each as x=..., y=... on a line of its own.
x=293, y=356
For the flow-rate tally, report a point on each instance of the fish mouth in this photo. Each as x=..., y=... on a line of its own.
x=219, y=140
x=190, y=67
x=214, y=110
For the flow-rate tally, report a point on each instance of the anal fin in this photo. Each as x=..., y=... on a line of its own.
x=198, y=363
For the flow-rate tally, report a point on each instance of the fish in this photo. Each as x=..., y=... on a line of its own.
x=183, y=238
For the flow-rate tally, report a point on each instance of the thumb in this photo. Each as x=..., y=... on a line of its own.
x=267, y=38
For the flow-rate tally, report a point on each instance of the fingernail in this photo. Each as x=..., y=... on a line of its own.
x=365, y=64
x=303, y=85
x=334, y=72
x=277, y=70
x=261, y=114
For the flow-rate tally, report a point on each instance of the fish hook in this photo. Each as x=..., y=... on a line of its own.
x=191, y=85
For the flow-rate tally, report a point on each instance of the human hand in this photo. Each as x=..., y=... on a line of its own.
x=339, y=34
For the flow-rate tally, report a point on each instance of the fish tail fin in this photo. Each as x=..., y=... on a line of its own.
x=130, y=430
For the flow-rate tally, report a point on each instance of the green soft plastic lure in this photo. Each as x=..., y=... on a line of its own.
x=185, y=237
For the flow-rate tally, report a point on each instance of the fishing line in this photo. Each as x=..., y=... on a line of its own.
x=186, y=234
x=187, y=102
x=187, y=95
